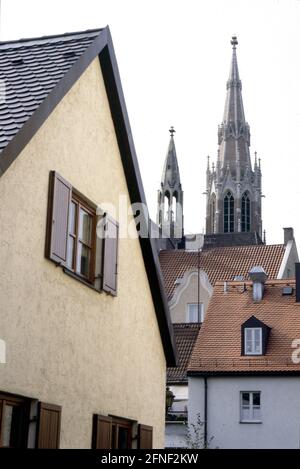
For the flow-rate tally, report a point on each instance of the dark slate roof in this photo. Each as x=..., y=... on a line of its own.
x=185, y=337
x=231, y=239
x=30, y=69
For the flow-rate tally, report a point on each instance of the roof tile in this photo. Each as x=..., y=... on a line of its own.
x=218, y=346
x=223, y=263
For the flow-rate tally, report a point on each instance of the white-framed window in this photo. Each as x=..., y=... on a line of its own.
x=250, y=406
x=194, y=312
x=253, y=340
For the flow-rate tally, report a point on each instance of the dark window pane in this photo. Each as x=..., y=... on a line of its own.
x=83, y=260
x=256, y=398
x=245, y=398
x=85, y=227
x=113, y=437
x=123, y=438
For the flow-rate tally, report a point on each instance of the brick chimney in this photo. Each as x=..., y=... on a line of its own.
x=258, y=277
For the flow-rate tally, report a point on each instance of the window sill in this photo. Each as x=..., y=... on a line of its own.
x=80, y=279
x=250, y=421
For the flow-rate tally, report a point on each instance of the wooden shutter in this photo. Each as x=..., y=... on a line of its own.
x=60, y=193
x=145, y=437
x=101, y=437
x=48, y=429
x=110, y=255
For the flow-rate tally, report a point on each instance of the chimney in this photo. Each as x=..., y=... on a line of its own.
x=258, y=277
x=297, y=271
x=288, y=235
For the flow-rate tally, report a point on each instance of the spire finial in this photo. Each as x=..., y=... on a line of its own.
x=172, y=131
x=208, y=165
x=234, y=42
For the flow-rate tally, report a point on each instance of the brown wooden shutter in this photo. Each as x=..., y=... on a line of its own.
x=110, y=255
x=101, y=437
x=48, y=429
x=145, y=437
x=60, y=193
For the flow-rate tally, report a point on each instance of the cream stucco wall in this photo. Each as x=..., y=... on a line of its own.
x=187, y=292
x=67, y=344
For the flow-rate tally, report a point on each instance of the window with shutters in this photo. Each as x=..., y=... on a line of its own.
x=14, y=421
x=73, y=241
x=112, y=432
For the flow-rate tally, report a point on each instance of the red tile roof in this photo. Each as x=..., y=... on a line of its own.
x=222, y=263
x=185, y=337
x=218, y=346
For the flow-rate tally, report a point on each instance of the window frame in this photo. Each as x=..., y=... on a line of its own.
x=253, y=352
x=82, y=205
x=251, y=407
x=22, y=425
x=200, y=319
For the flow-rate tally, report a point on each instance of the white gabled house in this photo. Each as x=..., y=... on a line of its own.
x=244, y=376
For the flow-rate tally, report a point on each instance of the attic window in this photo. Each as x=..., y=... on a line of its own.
x=70, y=54
x=287, y=291
x=254, y=337
x=19, y=61
x=253, y=340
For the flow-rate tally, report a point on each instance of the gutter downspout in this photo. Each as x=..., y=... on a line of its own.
x=205, y=412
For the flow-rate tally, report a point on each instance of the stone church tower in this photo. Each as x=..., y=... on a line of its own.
x=233, y=188
x=170, y=197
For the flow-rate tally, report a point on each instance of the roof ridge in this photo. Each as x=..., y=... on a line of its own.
x=279, y=281
x=25, y=42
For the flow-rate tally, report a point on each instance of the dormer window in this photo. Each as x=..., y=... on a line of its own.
x=254, y=335
x=253, y=340
x=194, y=312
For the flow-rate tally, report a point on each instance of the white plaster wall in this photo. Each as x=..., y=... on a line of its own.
x=280, y=404
x=287, y=268
x=187, y=292
x=65, y=343
x=175, y=435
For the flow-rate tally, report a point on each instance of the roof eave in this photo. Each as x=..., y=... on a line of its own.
x=231, y=373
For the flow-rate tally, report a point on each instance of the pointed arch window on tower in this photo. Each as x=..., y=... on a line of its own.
x=213, y=213
x=174, y=207
x=228, y=213
x=166, y=206
x=246, y=212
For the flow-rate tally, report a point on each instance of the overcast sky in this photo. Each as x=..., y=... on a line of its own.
x=174, y=59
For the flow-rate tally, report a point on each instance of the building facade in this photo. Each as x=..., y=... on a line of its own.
x=244, y=372
x=83, y=318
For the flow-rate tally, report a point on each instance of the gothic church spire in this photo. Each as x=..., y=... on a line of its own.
x=170, y=195
x=233, y=189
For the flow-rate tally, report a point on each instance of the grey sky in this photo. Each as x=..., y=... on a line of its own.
x=174, y=59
